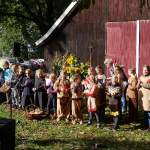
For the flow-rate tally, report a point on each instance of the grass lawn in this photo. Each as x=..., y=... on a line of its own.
x=49, y=135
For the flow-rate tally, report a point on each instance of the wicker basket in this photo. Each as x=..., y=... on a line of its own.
x=4, y=88
x=33, y=112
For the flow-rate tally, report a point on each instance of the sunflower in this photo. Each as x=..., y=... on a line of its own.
x=70, y=60
x=68, y=70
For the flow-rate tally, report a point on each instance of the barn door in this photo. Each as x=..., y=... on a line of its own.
x=121, y=43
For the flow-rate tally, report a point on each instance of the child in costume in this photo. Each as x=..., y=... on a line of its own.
x=77, y=93
x=114, y=95
x=100, y=76
x=92, y=96
x=62, y=86
x=86, y=81
x=132, y=95
x=52, y=95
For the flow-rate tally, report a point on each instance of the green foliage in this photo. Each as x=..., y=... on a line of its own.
x=70, y=64
x=8, y=35
x=27, y=20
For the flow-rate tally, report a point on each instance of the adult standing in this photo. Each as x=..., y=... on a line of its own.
x=144, y=94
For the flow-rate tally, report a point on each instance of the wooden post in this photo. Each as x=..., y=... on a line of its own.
x=91, y=51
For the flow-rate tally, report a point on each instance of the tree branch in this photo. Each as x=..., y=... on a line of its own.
x=18, y=15
x=49, y=11
x=40, y=9
x=28, y=9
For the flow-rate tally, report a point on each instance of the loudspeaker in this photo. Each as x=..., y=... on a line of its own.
x=16, y=49
x=7, y=134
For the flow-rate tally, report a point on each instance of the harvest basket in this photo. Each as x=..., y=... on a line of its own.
x=4, y=88
x=33, y=112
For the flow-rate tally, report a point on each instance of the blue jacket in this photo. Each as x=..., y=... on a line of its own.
x=7, y=74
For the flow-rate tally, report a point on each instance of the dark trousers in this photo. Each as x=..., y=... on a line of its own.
x=116, y=122
x=147, y=118
x=2, y=97
x=101, y=113
x=133, y=109
x=51, y=104
x=40, y=99
x=26, y=100
x=91, y=117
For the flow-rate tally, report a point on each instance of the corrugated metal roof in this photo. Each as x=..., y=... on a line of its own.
x=73, y=5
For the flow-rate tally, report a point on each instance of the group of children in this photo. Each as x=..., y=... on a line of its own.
x=64, y=96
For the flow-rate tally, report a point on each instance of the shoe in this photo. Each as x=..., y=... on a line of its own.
x=81, y=122
x=98, y=125
x=146, y=128
x=89, y=123
x=58, y=119
x=66, y=120
x=73, y=122
x=115, y=128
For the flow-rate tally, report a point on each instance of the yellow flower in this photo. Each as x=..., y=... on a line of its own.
x=70, y=60
x=68, y=69
x=76, y=69
x=115, y=113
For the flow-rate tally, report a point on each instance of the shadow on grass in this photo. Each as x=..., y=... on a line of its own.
x=91, y=143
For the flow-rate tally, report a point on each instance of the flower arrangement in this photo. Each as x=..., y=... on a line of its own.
x=71, y=65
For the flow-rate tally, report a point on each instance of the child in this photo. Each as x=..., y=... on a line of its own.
x=39, y=89
x=20, y=79
x=7, y=72
x=62, y=86
x=13, y=82
x=101, y=81
x=132, y=95
x=77, y=90
x=93, y=100
x=85, y=82
x=52, y=95
x=100, y=76
x=123, y=81
x=114, y=94
x=27, y=85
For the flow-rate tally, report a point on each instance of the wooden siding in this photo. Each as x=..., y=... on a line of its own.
x=88, y=26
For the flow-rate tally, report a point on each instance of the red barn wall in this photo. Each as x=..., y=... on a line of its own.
x=88, y=26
